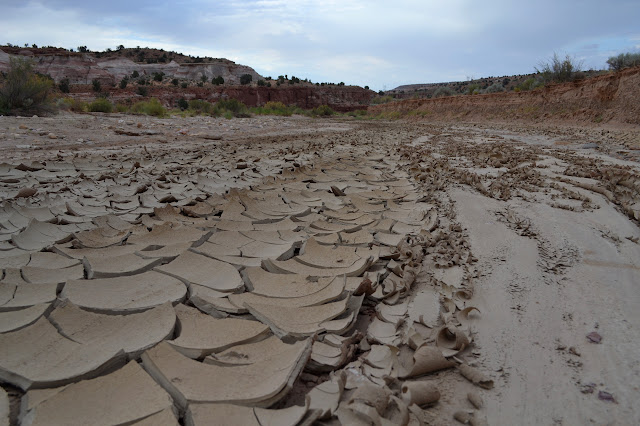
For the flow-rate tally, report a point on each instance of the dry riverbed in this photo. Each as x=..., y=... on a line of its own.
x=297, y=270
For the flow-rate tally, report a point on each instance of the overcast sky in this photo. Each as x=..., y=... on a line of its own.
x=381, y=44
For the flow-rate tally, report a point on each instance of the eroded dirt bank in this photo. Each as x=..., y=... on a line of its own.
x=611, y=98
x=499, y=248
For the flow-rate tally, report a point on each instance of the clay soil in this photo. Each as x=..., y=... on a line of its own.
x=543, y=212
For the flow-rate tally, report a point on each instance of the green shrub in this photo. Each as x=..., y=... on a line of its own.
x=245, y=79
x=158, y=76
x=381, y=99
x=388, y=115
x=95, y=83
x=218, y=80
x=182, y=104
x=261, y=83
x=623, y=60
x=204, y=78
x=184, y=85
x=64, y=86
x=274, y=108
x=122, y=108
x=233, y=106
x=529, y=84
x=359, y=112
x=124, y=82
x=24, y=92
x=559, y=70
x=150, y=107
x=322, y=111
x=143, y=91
x=201, y=106
x=175, y=82
x=495, y=88
x=443, y=91
x=100, y=105
x=473, y=89
x=70, y=104
x=78, y=105
x=135, y=74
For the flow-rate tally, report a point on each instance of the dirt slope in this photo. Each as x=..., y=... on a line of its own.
x=611, y=98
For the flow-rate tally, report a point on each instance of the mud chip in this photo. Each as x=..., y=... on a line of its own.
x=606, y=396
x=594, y=337
x=26, y=193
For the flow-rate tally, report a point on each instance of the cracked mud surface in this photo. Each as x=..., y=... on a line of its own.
x=292, y=270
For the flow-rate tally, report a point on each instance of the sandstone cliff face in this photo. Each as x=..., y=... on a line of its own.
x=84, y=68
x=609, y=98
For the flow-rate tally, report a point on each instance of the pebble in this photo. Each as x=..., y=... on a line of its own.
x=589, y=146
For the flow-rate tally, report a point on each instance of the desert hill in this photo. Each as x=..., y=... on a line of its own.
x=169, y=76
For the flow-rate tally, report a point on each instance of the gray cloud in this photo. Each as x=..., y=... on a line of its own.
x=375, y=43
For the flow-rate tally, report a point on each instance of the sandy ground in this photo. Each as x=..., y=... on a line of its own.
x=553, y=264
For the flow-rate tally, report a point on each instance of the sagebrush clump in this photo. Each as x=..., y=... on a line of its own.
x=322, y=111
x=443, y=91
x=100, y=105
x=151, y=107
x=559, y=70
x=623, y=60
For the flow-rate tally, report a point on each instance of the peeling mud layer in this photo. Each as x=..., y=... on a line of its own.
x=297, y=271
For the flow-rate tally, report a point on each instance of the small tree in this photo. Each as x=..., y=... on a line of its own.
x=218, y=80
x=22, y=91
x=135, y=74
x=143, y=91
x=95, y=83
x=245, y=79
x=83, y=49
x=124, y=82
x=184, y=85
x=158, y=76
x=204, y=78
x=64, y=85
x=175, y=82
x=261, y=83
x=183, y=104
